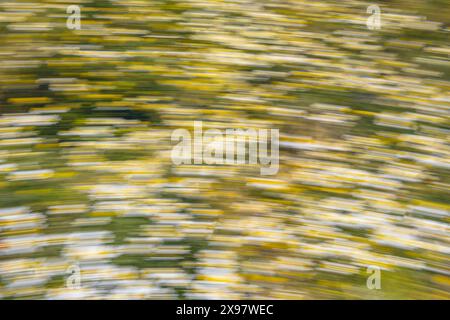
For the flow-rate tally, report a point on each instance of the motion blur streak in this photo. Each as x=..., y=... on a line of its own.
x=88, y=188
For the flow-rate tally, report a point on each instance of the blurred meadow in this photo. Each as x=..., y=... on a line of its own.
x=86, y=176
